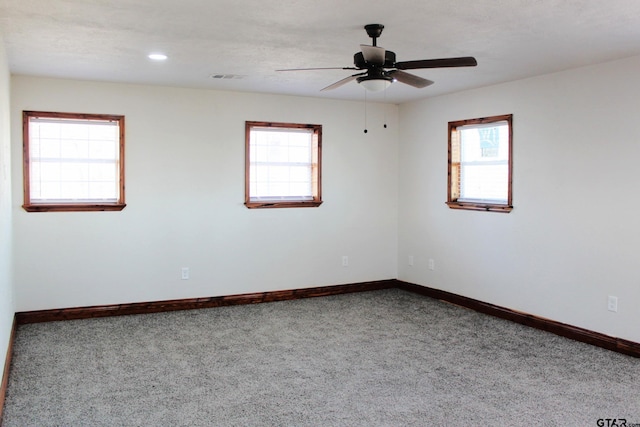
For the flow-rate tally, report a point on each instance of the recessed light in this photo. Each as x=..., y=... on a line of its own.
x=158, y=56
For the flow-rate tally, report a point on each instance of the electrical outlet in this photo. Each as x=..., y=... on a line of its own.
x=612, y=303
x=432, y=264
x=411, y=260
x=345, y=261
x=185, y=273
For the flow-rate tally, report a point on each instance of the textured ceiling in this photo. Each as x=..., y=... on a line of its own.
x=109, y=40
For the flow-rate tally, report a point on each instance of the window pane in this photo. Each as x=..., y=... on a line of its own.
x=74, y=171
x=300, y=154
x=74, y=131
x=102, y=190
x=102, y=172
x=484, y=144
x=486, y=182
x=45, y=148
x=301, y=189
x=300, y=174
x=278, y=189
x=281, y=163
x=74, y=190
x=480, y=164
x=279, y=174
x=107, y=131
x=49, y=190
x=47, y=130
x=261, y=173
x=103, y=149
x=276, y=153
x=261, y=189
x=50, y=171
x=74, y=149
x=73, y=158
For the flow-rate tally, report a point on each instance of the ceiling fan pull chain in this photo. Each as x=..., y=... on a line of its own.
x=385, y=108
x=365, y=112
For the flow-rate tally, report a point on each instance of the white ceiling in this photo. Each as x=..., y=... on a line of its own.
x=109, y=40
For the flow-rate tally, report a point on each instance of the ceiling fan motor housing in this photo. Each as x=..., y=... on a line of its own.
x=375, y=74
x=361, y=64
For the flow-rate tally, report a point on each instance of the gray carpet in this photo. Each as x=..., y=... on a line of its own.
x=384, y=358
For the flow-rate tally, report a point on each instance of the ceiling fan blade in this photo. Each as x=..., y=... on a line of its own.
x=373, y=54
x=465, y=61
x=410, y=79
x=321, y=68
x=343, y=81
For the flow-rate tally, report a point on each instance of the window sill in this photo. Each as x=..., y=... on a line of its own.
x=479, y=206
x=84, y=207
x=280, y=204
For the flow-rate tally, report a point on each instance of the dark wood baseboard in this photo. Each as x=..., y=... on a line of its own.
x=7, y=367
x=195, y=303
x=573, y=332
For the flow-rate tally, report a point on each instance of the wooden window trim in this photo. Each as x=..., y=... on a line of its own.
x=29, y=206
x=316, y=173
x=453, y=168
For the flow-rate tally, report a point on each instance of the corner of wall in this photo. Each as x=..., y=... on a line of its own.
x=7, y=306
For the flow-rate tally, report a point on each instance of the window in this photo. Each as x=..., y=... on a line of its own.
x=282, y=165
x=480, y=164
x=73, y=162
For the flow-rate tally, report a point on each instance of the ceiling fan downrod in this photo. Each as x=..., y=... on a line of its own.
x=374, y=31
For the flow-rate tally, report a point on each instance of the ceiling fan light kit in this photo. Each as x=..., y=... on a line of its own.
x=380, y=69
x=374, y=84
x=375, y=81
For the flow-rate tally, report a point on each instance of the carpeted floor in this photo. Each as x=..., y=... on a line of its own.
x=383, y=358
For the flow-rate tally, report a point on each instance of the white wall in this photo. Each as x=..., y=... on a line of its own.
x=572, y=238
x=6, y=294
x=570, y=241
x=185, y=194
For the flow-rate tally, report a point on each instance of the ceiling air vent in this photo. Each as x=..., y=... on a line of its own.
x=227, y=76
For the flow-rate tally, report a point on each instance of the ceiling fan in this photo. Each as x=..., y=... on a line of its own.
x=380, y=69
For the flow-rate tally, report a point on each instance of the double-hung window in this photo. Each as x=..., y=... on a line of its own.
x=480, y=164
x=282, y=165
x=73, y=162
